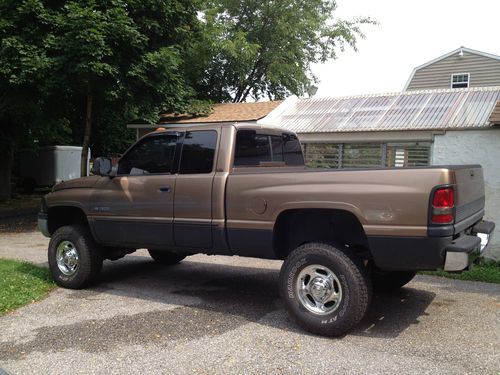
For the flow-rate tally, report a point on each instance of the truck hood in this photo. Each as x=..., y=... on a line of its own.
x=77, y=183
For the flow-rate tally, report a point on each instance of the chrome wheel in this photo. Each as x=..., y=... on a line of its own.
x=318, y=289
x=67, y=258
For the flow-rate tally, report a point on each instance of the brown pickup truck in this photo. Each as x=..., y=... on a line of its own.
x=243, y=189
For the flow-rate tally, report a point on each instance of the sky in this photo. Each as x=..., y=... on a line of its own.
x=409, y=34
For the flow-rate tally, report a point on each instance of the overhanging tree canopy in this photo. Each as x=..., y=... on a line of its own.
x=265, y=48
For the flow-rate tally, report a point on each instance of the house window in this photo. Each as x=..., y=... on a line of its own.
x=367, y=155
x=460, y=80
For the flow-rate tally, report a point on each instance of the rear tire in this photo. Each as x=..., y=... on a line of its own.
x=391, y=280
x=326, y=289
x=74, y=258
x=166, y=257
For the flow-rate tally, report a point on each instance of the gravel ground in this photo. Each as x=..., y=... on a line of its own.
x=211, y=315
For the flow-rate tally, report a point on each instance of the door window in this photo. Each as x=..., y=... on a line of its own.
x=198, y=151
x=151, y=155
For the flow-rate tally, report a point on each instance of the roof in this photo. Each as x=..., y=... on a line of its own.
x=411, y=110
x=191, y=126
x=495, y=115
x=446, y=55
x=225, y=112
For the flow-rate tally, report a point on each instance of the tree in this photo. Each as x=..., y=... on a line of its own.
x=265, y=48
x=123, y=56
x=67, y=66
x=26, y=114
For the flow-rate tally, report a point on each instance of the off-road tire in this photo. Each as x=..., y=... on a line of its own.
x=391, y=280
x=166, y=257
x=90, y=259
x=354, y=281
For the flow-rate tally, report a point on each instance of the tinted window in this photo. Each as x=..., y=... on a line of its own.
x=154, y=154
x=253, y=148
x=277, y=147
x=198, y=151
x=292, y=150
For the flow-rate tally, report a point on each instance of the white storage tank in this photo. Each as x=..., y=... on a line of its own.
x=49, y=165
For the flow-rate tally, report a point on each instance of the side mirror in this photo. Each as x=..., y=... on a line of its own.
x=101, y=167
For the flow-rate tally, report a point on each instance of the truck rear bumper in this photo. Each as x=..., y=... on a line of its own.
x=463, y=251
x=430, y=253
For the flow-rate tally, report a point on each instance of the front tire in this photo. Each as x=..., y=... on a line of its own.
x=74, y=258
x=166, y=257
x=326, y=289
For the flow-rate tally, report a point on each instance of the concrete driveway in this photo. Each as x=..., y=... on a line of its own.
x=211, y=315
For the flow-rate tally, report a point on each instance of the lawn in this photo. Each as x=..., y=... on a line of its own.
x=22, y=283
x=488, y=273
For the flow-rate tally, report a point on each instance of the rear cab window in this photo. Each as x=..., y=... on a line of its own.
x=260, y=148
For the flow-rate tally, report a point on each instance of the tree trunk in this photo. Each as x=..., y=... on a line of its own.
x=87, y=130
x=6, y=172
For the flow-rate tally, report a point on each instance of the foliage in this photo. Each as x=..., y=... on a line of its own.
x=68, y=65
x=265, y=48
x=22, y=283
x=486, y=272
x=75, y=72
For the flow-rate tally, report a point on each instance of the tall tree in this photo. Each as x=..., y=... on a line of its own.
x=265, y=48
x=108, y=51
x=24, y=65
x=69, y=66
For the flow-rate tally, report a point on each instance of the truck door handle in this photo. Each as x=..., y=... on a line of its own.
x=165, y=189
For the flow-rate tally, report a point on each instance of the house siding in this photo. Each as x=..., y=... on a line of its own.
x=484, y=71
x=476, y=147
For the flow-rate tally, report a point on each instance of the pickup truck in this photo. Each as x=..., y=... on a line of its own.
x=243, y=189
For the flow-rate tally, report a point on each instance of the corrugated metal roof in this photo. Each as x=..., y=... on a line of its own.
x=413, y=110
x=495, y=115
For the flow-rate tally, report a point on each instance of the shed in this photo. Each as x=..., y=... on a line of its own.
x=411, y=128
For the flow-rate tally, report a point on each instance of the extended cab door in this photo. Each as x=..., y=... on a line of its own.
x=193, y=191
x=135, y=208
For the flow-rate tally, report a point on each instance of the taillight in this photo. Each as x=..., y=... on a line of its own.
x=443, y=203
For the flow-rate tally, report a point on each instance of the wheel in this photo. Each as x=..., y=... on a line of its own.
x=391, y=280
x=326, y=289
x=74, y=258
x=166, y=257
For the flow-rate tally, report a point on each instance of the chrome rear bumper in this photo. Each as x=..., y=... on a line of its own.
x=463, y=251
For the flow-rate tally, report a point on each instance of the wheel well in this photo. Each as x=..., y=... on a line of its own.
x=296, y=227
x=65, y=215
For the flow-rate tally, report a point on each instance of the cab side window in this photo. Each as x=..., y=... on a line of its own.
x=152, y=155
x=253, y=148
x=198, y=152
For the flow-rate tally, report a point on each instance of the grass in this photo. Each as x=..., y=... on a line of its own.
x=487, y=272
x=22, y=283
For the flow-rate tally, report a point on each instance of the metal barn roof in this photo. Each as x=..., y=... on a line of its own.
x=413, y=110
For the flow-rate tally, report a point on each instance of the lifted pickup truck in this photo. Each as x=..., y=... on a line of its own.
x=243, y=189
